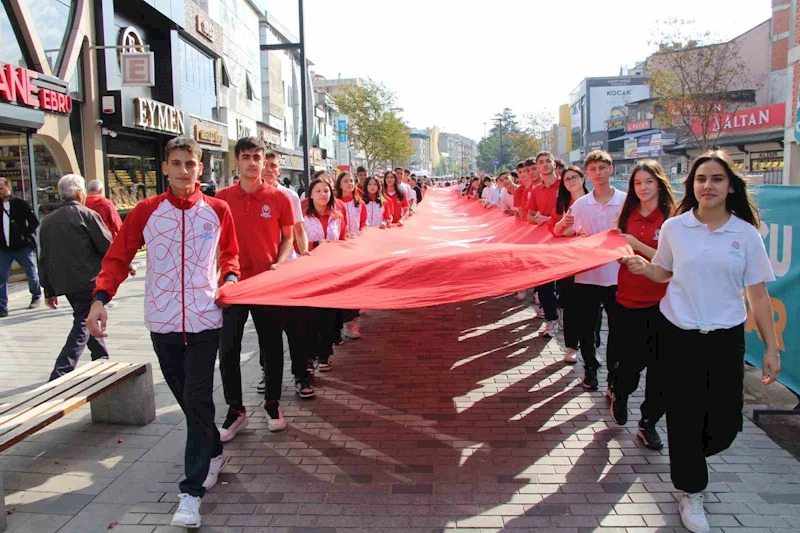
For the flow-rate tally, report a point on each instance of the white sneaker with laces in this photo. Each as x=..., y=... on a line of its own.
x=351, y=329
x=213, y=471
x=275, y=420
x=188, y=513
x=551, y=329
x=693, y=516
x=571, y=356
x=233, y=423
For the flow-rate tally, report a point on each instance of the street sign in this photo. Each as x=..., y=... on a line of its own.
x=495, y=162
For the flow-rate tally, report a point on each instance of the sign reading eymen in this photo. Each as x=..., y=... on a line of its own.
x=158, y=116
x=17, y=87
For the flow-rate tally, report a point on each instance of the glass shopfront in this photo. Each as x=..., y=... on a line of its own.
x=132, y=172
x=14, y=165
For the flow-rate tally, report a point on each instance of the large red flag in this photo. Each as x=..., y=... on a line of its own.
x=452, y=250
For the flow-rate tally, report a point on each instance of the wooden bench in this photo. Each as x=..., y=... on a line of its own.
x=120, y=393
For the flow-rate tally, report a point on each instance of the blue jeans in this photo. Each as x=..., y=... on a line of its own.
x=23, y=257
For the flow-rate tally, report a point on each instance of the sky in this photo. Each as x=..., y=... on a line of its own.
x=457, y=63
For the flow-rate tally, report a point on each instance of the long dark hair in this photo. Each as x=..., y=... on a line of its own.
x=666, y=196
x=564, y=196
x=311, y=210
x=340, y=193
x=739, y=202
x=380, y=199
x=398, y=190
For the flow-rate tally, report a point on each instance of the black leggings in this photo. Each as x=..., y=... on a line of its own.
x=704, y=400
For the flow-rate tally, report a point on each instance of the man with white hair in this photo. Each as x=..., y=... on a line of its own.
x=97, y=201
x=18, y=225
x=74, y=241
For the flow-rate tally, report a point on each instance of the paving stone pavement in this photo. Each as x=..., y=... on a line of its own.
x=448, y=419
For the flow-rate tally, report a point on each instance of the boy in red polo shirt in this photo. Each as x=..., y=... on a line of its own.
x=264, y=223
x=541, y=206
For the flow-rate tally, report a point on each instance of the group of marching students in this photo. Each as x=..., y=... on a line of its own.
x=676, y=306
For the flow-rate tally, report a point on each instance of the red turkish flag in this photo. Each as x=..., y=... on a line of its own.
x=452, y=250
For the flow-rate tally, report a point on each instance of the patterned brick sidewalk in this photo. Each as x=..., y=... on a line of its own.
x=454, y=418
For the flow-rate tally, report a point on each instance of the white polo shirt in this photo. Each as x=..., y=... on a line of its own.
x=507, y=201
x=297, y=209
x=709, y=270
x=593, y=217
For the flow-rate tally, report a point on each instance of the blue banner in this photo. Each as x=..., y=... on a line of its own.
x=779, y=206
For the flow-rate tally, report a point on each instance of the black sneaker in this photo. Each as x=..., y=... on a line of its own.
x=261, y=388
x=324, y=363
x=310, y=368
x=590, y=381
x=649, y=436
x=35, y=302
x=619, y=409
x=304, y=388
x=3, y=313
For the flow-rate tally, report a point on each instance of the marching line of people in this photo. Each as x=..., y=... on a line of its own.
x=676, y=307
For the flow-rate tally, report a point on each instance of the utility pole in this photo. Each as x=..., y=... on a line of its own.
x=301, y=48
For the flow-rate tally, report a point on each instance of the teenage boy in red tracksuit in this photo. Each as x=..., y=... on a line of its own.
x=190, y=237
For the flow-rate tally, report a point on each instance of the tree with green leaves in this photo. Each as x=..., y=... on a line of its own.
x=374, y=125
x=695, y=79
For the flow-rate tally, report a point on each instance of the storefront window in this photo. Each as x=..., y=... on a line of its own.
x=14, y=166
x=10, y=50
x=131, y=179
x=52, y=19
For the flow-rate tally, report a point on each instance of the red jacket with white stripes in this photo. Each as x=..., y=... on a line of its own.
x=183, y=236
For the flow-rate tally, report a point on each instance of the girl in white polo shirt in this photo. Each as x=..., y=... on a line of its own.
x=708, y=254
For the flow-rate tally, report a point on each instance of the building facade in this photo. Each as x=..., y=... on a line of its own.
x=461, y=151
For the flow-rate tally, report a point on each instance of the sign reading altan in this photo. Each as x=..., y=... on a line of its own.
x=158, y=116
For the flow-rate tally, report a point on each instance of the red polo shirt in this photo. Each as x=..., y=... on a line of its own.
x=543, y=198
x=523, y=194
x=397, y=206
x=258, y=218
x=638, y=292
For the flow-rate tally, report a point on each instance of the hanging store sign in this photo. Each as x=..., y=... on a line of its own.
x=22, y=87
x=158, y=116
x=205, y=28
x=269, y=136
x=208, y=135
x=638, y=125
x=744, y=119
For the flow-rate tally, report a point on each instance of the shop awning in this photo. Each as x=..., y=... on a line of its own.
x=772, y=136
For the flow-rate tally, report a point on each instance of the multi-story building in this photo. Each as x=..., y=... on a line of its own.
x=461, y=152
x=786, y=28
x=49, y=107
x=421, y=159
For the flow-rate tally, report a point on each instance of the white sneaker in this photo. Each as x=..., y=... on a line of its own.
x=188, y=513
x=540, y=313
x=233, y=423
x=521, y=295
x=213, y=470
x=571, y=356
x=693, y=516
x=275, y=420
x=551, y=329
x=351, y=329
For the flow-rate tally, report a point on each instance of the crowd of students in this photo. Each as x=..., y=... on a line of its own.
x=676, y=306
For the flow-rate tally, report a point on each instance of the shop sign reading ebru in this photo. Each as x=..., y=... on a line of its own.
x=19, y=86
x=158, y=116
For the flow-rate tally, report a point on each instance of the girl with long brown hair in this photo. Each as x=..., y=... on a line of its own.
x=348, y=193
x=379, y=209
x=707, y=253
x=632, y=340
x=395, y=195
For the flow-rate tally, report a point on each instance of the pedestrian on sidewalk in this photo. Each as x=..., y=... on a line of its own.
x=634, y=336
x=192, y=238
x=97, y=201
x=74, y=242
x=264, y=222
x=707, y=253
x=594, y=213
x=18, y=244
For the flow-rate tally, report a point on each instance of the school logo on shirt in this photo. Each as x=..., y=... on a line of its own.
x=207, y=234
x=734, y=251
x=266, y=212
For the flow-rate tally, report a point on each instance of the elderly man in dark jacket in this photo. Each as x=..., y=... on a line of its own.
x=18, y=225
x=74, y=241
